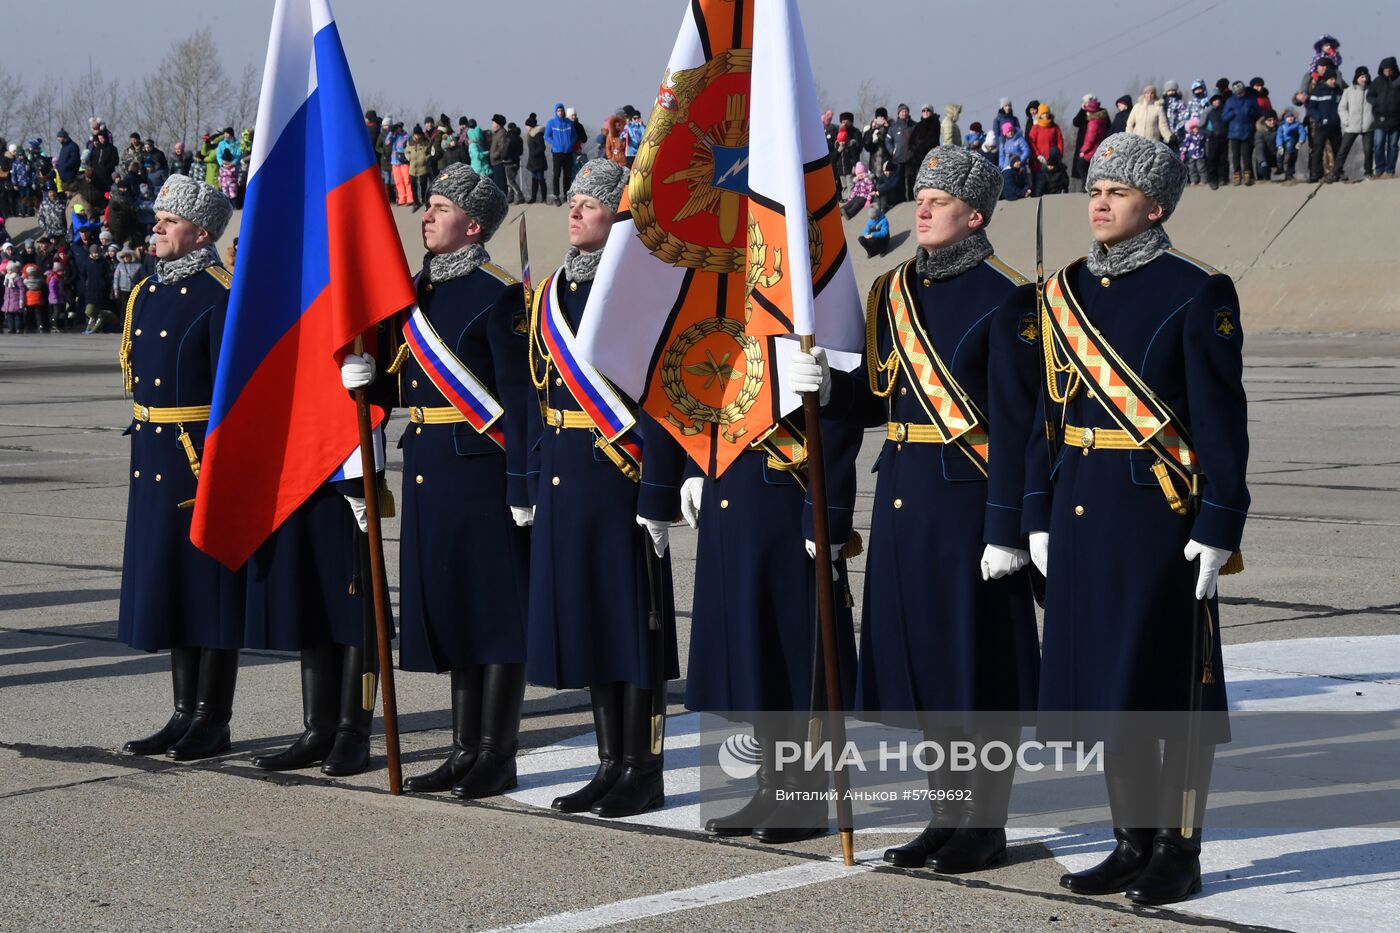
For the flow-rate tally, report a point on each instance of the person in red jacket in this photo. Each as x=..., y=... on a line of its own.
x=1044, y=138
x=1096, y=126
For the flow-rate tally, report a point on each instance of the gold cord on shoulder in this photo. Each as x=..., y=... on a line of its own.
x=874, y=366
x=124, y=350
x=541, y=381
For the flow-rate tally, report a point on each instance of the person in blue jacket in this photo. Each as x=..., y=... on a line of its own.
x=561, y=137
x=1238, y=115
x=876, y=238
x=1142, y=508
x=68, y=161
x=464, y=548
x=592, y=582
x=174, y=596
x=948, y=629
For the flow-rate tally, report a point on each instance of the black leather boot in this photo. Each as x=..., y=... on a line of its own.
x=350, y=752
x=980, y=842
x=607, y=727
x=640, y=786
x=466, y=735
x=1174, y=871
x=184, y=676
x=947, y=810
x=320, y=705
x=503, y=693
x=208, y=734
x=1132, y=779
x=743, y=820
x=801, y=810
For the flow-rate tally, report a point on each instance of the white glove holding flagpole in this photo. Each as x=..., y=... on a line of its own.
x=524, y=515
x=809, y=372
x=357, y=370
x=660, y=533
x=1040, y=551
x=998, y=561
x=1212, y=559
x=357, y=505
x=691, y=491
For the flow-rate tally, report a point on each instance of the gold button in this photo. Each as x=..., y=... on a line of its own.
x=927, y=283
x=138, y=332
x=138, y=427
x=1104, y=281
x=163, y=333
x=1091, y=394
x=135, y=379
x=899, y=503
x=157, y=477
x=414, y=383
x=183, y=290
x=157, y=428
x=903, y=390
x=153, y=288
x=573, y=286
x=1084, y=451
x=555, y=481
x=418, y=479
x=558, y=381
x=417, y=430
x=429, y=286
x=556, y=430
x=724, y=503
x=898, y=447
x=136, y=474
x=157, y=380
x=1079, y=510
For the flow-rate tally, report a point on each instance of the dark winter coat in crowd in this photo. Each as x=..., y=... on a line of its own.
x=1119, y=122
x=897, y=139
x=534, y=145
x=1239, y=114
x=500, y=143
x=67, y=163
x=1054, y=178
x=104, y=161
x=1322, y=105
x=923, y=138
x=182, y=163
x=515, y=146
x=1001, y=119
x=121, y=217
x=1384, y=96
x=453, y=153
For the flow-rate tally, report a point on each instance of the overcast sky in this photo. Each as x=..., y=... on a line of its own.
x=517, y=56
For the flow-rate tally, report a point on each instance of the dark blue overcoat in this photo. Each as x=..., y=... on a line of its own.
x=935, y=635
x=1119, y=594
x=463, y=563
x=173, y=595
x=589, y=597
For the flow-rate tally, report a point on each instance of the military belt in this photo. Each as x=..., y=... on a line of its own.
x=444, y=415
x=566, y=419
x=1099, y=438
x=906, y=433
x=169, y=415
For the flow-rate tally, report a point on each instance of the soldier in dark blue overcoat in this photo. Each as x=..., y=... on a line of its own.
x=948, y=626
x=463, y=554
x=754, y=638
x=1121, y=588
x=173, y=595
x=592, y=582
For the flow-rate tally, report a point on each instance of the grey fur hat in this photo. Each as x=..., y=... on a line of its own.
x=602, y=179
x=477, y=196
x=201, y=204
x=964, y=174
x=1145, y=164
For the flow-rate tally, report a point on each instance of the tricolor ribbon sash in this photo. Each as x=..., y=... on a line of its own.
x=453, y=379
x=1120, y=390
x=943, y=400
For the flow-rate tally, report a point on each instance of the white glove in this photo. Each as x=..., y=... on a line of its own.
x=357, y=505
x=812, y=550
x=690, y=500
x=1040, y=551
x=524, y=515
x=1212, y=559
x=809, y=372
x=998, y=561
x=660, y=533
x=357, y=370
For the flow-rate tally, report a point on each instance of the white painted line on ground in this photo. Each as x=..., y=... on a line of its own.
x=703, y=895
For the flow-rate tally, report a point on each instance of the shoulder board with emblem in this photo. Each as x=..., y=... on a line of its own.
x=1205, y=267
x=1015, y=277
x=502, y=275
x=222, y=275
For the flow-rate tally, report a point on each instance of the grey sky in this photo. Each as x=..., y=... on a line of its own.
x=476, y=58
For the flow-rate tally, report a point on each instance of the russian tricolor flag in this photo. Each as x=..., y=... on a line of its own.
x=319, y=264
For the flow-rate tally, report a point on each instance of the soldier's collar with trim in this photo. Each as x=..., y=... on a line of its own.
x=456, y=264
x=1133, y=253
x=949, y=261
x=171, y=271
x=581, y=266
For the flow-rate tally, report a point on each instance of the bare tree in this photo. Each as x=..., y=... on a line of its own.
x=38, y=112
x=188, y=90
x=869, y=95
x=243, y=107
x=11, y=98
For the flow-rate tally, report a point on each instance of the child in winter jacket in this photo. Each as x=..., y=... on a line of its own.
x=876, y=238
x=228, y=175
x=1290, y=133
x=36, y=297
x=862, y=190
x=58, y=295
x=14, y=299
x=1193, y=152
